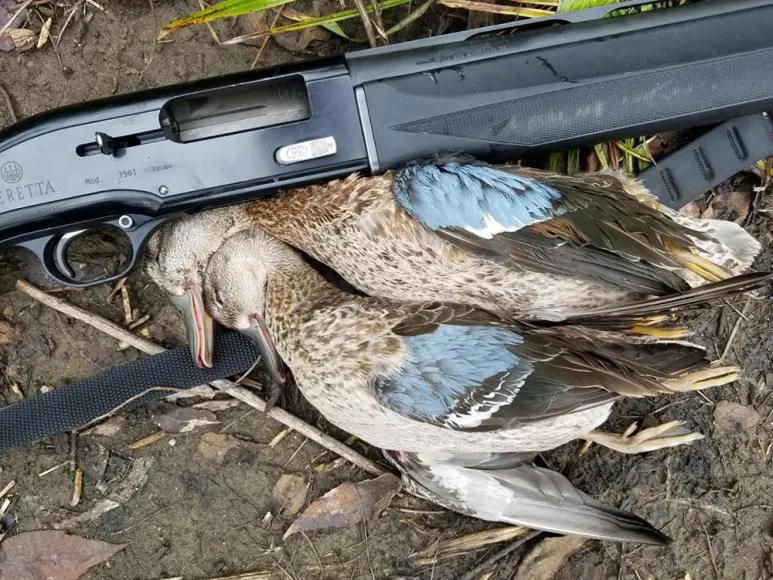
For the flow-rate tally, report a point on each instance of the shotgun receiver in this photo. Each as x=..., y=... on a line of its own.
x=133, y=161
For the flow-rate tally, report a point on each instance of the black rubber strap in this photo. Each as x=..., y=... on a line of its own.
x=76, y=404
x=710, y=159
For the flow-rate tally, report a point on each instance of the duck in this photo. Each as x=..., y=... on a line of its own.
x=519, y=241
x=455, y=396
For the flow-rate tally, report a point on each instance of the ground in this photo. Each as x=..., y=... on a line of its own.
x=201, y=515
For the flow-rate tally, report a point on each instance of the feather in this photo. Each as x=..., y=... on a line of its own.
x=594, y=225
x=474, y=197
x=524, y=495
x=623, y=316
x=477, y=374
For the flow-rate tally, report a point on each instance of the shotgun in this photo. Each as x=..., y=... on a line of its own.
x=133, y=161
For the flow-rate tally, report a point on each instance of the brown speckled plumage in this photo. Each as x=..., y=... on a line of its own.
x=357, y=227
x=338, y=344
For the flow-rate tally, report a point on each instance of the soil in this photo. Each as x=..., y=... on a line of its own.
x=202, y=515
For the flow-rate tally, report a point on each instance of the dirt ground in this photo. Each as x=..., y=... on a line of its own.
x=200, y=515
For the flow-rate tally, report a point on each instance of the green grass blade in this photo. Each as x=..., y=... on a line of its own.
x=475, y=6
x=573, y=162
x=601, y=155
x=555, y=161
x=225, y=9
x=301, y=17
x=317, y=21
x=413, y=16
x=572, y=5
x=630, y=151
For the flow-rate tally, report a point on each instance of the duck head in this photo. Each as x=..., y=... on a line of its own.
x=177, y=256
x=235, y=283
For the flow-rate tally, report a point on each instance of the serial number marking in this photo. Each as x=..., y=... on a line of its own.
x=159, y=168
x=126, y=173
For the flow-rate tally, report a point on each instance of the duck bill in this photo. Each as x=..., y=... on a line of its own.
x=258, y=333
x=198, y=326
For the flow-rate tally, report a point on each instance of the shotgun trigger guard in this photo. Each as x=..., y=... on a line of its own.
x=51, y=249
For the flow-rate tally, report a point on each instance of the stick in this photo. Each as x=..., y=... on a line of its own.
x=494, y=558
x=741, y=318
x=15, y=14
x=366, y=23
x=229, y=387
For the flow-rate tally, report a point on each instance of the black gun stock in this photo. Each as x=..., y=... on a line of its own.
x=498, y=93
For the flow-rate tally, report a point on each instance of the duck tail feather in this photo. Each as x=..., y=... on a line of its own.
x=621, y=316
x=529, y=496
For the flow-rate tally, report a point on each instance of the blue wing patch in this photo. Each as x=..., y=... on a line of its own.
x=475, y=197
x=457, y=376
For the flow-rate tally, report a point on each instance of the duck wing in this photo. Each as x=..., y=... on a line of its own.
x=523, y=495
x=466, y=373
x=573, y=226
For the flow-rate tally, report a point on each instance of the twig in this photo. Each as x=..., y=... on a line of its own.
x=127, y=306
x=266, y=38
x=21, y=9
x=229, y=387
x=494, y=558
x=145, y=441
x=138, y=323
x=730, y=340
x=378, y=21
x=313, y=549
x=7, y=488
x=711, y=550
x=8, y=103
x=366, y=22
x=77, y=6
x=78, y=489
x=212, y=32
x=54, y=468
x=365, y=530
x=116, y=289
x=297, y=451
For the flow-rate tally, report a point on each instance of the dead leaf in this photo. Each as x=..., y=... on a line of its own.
x=22, y=38
x=215, y=446
x=734, y=205
x=43, y=38
x=51, y=555
x=6, y=332
x=733, y=418
x=548, y=557
x=174, y=419
x=289, y=495
x=346, y=504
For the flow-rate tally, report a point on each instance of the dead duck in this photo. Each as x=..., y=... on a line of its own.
x=523, y=242
x=438, y=376
x=446, y=388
